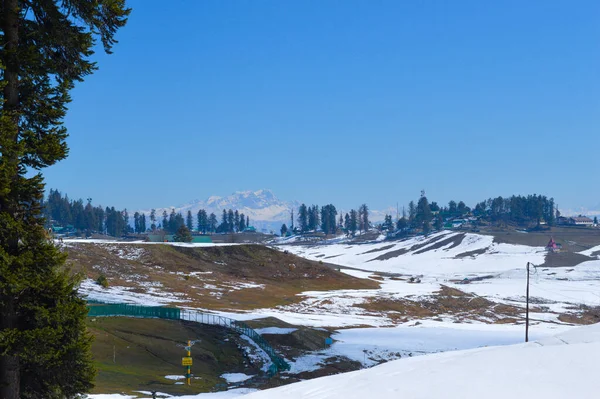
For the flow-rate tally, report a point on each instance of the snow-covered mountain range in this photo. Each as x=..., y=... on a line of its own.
x=265, y=210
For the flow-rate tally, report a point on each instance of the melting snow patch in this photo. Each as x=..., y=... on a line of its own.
x=175, y=377
x=256, y=353
x=233, y=378
x=275, y=330
x=117, y=294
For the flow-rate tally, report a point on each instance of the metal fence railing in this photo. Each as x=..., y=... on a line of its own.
x=130, y=310
x=241, y=328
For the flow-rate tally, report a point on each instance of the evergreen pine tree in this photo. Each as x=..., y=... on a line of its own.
x=165, y=221
x=353, y=225
x=236, y=220
x=183, y=234
x=223, y=227
x=283, y=230
x=125, y=229
x=153, y=219
x=439, y=223
x=303, y=218
x=347, y=223
x=136, y=222
x=452, y=209
x=363, y=212
x=423, y=215
x=242, y=226
x=172, y=222
x=46, y=45
x=412, y=212
x=402, y=224
x=202, y=218
x=388, y=225
x=325, y=220
x=230, y=223
x=212, y=223
x=189, y=221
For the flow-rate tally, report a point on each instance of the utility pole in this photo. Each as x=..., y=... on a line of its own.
x=527, y=307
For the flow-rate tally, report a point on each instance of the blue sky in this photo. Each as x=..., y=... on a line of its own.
x=341, y=101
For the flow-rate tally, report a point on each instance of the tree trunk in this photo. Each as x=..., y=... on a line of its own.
x=9, y=364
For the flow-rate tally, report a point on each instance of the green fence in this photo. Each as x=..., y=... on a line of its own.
x=123, y=309
x=128, y=310
x=241, y=328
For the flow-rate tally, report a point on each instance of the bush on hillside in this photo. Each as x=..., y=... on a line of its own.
x=102, y=281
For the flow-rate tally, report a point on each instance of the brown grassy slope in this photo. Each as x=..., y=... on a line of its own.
x=573, y=239
x=136, y=354
x=210, y=276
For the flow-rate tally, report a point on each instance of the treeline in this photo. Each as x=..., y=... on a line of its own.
x=232, y=221
x=325, y=219
x=521, y=210
x=86, y=218
x=424, y=216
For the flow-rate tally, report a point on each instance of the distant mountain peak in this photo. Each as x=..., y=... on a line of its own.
x=265, y=210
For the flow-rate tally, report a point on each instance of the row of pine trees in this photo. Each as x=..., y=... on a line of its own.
x=62, y=211
x=426, y=216
x=312, y=218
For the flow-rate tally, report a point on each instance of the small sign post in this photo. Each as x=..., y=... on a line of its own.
x=187, y=361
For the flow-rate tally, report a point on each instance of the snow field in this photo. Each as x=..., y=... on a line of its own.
x=563, y=368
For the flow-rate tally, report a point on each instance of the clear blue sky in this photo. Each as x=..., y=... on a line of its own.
x=341, y=101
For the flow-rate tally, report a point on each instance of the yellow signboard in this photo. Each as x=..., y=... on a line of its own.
x=186, y=361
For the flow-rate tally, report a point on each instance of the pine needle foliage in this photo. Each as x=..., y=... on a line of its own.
x=46, y=48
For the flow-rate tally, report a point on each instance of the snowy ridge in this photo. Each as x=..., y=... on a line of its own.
x=494, y=272
x=439, y=253
x=561, y=367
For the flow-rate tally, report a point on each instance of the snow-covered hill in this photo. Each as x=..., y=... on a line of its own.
x=558, y=367
x=471, y=263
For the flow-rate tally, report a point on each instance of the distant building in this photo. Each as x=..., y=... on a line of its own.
x=171, y=238
x=580, y=221
x=561, y=220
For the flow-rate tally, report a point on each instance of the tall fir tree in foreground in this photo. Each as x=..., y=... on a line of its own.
x=46, y=49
